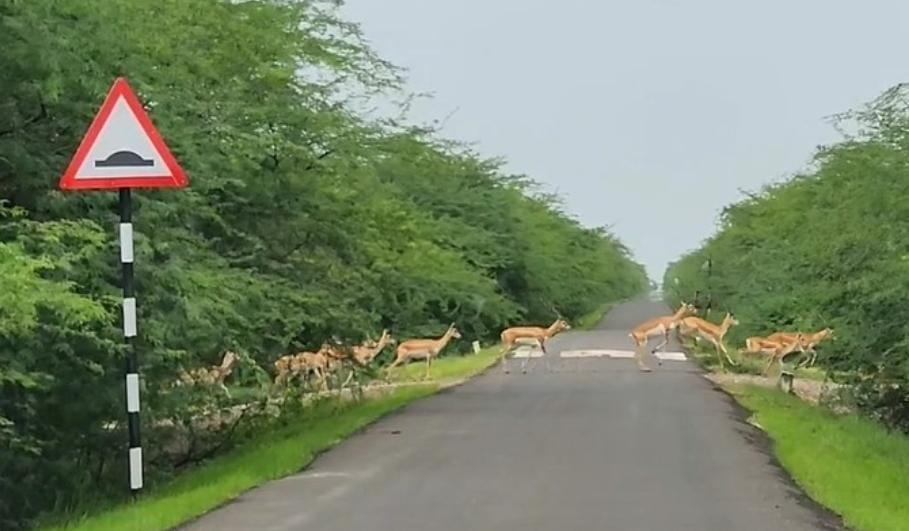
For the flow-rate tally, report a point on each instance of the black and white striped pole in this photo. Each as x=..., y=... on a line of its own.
x=129, y=337
x=122, y=150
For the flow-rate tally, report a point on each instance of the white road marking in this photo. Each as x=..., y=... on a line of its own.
x=619, y=354
x=527, y=352
x=600, y=353
x=671, y=356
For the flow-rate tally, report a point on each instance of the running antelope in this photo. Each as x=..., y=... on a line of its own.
x=211, y=375
x=658, y=326
x=776, y=349
x=302, y=363
x=710, y=332
x=364, y=353
x=528, y=334
x=416, y=349
x=810, y=340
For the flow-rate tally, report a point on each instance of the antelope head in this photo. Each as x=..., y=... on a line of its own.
x=454, y=331
x=229, y=361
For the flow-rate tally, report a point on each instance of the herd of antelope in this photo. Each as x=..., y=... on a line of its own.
x=685, y=323
x=329, y=358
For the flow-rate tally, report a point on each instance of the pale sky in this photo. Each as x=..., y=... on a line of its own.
x=646, y=115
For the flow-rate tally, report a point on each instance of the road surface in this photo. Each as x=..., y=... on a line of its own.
x=593, y=445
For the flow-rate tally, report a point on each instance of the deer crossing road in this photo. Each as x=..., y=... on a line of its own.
x=591, y=444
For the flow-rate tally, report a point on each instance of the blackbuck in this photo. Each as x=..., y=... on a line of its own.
x=658, y=326
x=364, y=353
x=368, y=350
x=535, y=335
x=710, y=332
x=423, y=349
x=810, y=340
x=775, y=348
x=304, y=363
x=211, y=375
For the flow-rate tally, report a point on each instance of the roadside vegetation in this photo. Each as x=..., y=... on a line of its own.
x=306, y=219
x=827, y=248
x=291, y=443
x=849, y=463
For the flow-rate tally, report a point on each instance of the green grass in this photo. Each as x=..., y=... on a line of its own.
x=705, y=354
x=588, y=321
x=274, y=455
x=850, y=464
x=447, y=368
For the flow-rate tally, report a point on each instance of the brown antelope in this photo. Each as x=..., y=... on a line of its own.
x=368, y=350
x=528, y=334
x=710, y=332
x=210, y=375
x=302, y=363
x=784, y=348
x=776, y=349
x=658, y=326
x=364, y=353
x=811, y=341
x=416, y=349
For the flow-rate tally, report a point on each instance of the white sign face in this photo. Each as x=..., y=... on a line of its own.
x=122, y=149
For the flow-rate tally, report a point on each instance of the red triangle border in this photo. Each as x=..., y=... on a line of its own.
x=176, y=178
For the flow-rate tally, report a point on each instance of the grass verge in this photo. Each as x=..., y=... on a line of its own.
x=274, y=455
x=588, y=321
x=852, y=465
x=447, y=368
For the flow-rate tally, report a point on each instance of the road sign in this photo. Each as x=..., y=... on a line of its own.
x=122, y=149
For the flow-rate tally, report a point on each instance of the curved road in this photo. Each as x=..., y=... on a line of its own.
x=593, y=444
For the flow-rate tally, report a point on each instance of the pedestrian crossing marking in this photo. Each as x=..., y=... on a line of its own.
x=527, y=352
x=619, y=354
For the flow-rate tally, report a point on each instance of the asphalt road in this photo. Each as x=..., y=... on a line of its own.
x=592, y=445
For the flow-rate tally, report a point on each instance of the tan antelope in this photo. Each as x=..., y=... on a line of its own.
x=368, y=350
x=302, y=363
x=710, y=332
x=810, y=340
x=658, y=326
x=210, y=375
x=776, y=349
x=364, y=353
x=416, y=349
x=528, y=334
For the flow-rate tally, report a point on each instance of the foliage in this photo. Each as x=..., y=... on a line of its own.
x=829, y=248
x=850, y=464
x=303, y=221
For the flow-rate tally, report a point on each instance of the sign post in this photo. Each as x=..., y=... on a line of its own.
x=122, y=150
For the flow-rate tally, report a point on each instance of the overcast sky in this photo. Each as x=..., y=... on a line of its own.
x=646, y=115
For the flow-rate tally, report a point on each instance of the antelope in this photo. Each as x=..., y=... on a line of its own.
x=364, y=353
x=415, y=349
x=811, y=341
x=367, y=351
x=211, y=375
x=776, y=348
x=658, y=326
x=303, y=362
x=710, y=332
x=783, y=348
x=528, y=334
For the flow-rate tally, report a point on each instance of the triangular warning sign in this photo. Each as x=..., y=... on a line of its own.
x=122, y=149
